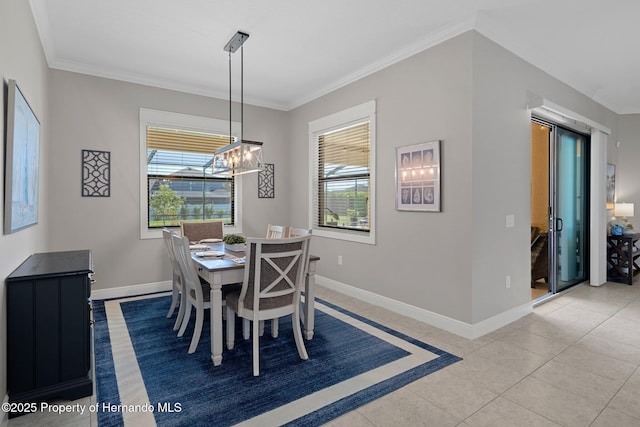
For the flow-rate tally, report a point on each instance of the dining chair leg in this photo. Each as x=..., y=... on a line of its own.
x=274, y=328
x=246, y=331
x=180, y=316
x=231, y=328
x=256, y=348
x=197, y=331
x=261, y=323
x=175, y=295
x=185, y=320
x=297, y=335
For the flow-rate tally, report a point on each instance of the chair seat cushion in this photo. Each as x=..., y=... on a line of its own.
x=206, y=291
x=229, y=289
x=233, y=298
x=226, y=289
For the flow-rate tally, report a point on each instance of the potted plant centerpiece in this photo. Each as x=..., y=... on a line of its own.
x=234, y=242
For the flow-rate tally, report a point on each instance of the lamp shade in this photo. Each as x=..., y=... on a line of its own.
x=238, y=158
x=624, y=209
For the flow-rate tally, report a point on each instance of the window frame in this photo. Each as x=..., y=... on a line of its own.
x=181, y=121
x=359, y=113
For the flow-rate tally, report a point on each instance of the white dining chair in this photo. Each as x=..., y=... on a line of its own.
x=201, y=231
x=273, y=281
x=176, y=281
x=297, y=232
x=275, y=231
x=196, y=292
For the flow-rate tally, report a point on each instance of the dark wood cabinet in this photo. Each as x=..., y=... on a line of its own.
x=622, y=257
x=48, y=327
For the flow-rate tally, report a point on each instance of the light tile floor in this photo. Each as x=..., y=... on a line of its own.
x=573, y=362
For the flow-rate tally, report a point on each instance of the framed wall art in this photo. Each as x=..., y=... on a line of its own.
x=418, y=177
x=266, y=182
x=611, y=185
x=22, y=156
x=96, y=173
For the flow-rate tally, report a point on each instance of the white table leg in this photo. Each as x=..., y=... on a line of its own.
x=216, y=319
x=309, y=301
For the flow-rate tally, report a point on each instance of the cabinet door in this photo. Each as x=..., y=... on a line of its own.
x=74, y=321
x=20, y=342
x=47, y=332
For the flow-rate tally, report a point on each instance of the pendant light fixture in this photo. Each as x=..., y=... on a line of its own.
x=241, y=156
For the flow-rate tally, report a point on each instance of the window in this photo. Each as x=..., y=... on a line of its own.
x=176, y=183
x=342, y=148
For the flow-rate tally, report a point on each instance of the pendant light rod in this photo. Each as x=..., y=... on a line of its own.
x=232, y=45
x=230, y=134
x=241, y=93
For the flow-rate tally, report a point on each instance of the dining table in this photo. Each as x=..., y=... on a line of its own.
x=220, y=266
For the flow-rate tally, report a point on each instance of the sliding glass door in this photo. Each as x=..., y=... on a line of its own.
x=569, y=222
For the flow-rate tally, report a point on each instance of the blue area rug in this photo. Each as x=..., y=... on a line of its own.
x=189, y=390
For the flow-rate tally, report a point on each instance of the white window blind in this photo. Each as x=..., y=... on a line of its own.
x=180, y=183
x=343, y=179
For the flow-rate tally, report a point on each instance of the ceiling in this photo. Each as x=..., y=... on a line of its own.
x=301, y=49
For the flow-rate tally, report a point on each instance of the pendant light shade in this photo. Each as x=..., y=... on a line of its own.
x=241, y=156
x=238, y=158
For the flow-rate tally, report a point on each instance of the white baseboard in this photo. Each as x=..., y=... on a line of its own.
x=128, y=291
x=463, y=329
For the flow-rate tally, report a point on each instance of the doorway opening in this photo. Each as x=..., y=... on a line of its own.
x=540, y=137
x=559, y=208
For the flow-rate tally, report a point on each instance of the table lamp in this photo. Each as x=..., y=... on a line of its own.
x=623, y=211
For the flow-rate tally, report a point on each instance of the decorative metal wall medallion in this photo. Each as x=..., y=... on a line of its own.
x=96, y=173
x=266, y=180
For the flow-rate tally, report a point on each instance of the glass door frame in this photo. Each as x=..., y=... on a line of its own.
x=553, y=222
x=577, y=203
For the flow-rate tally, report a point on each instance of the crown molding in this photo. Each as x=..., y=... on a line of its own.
x=80, y=68
x=420, y=45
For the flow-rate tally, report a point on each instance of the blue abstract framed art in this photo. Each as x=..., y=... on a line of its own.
x=22, y=156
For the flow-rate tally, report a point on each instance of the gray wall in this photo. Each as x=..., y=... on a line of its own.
x=100, y=114
x=471, y=93
x=22, y=59
x=628, y=171
x=423, y=259
x=501, y=170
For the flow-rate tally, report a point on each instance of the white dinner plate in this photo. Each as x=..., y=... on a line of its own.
x=198, y=247
x=210, y=241
x=210, y=254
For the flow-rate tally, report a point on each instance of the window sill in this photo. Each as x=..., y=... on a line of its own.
x=352, y=236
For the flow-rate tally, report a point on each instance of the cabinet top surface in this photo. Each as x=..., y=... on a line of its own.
x=54, y=263
x=634, y=236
